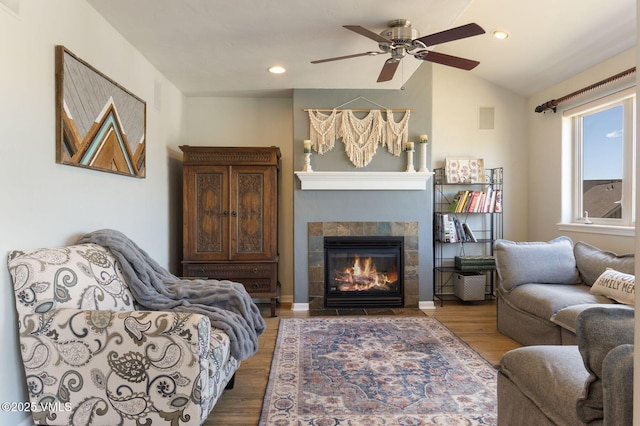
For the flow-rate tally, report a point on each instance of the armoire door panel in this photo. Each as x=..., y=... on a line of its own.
x=252, y=226
x=209, y=216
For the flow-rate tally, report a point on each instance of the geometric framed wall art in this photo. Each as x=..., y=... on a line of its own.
x=99, y=124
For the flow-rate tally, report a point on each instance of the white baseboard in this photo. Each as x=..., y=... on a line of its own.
x=299, y=306
x=427, y=305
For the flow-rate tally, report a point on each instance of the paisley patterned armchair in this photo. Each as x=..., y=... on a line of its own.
x=91, y=358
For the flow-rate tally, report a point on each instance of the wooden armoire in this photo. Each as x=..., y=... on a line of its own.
x=230, y=216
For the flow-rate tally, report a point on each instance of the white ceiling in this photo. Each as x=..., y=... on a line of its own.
x=223, y=47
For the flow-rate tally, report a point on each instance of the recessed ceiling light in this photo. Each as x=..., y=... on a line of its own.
x=277, y=69
x=500, y=34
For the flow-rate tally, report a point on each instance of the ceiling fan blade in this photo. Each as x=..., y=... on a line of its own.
x=367, y=33
x=452, y=61
x=452, y=34
x=388, y=70
x=337, y=58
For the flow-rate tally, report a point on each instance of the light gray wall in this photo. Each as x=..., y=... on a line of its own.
x=252, y=122
x=545, y=155
x=44, y=204
x=320, y=206
x=458, y=97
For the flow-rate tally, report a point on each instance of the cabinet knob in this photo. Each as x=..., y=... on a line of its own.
x=225, y=213
x=234, y=214
x=255, y=270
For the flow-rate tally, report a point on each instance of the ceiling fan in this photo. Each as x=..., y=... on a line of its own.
x=400, y=39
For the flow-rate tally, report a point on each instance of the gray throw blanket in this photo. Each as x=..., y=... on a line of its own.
x=226, y=303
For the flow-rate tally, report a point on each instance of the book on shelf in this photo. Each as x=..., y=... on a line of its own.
x=444, y=228
x=498, y=203
x=469, y=233
x=473, y=202
x=457, y=225
x=488, y=201
x=456, y=200
x=482, y=262
x=478, y=267
x=450, y=229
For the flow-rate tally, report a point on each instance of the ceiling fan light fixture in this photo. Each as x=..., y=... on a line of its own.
x=277, y=69
x=400, y=39
x=501, y=34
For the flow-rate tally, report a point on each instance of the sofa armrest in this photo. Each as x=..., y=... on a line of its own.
x=617, y=383
x=114, y=366
x=599, y=330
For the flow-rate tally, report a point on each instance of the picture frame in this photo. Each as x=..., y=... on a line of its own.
x=100, y=125
x=464, y=170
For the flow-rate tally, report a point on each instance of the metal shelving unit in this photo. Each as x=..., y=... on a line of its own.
x=486, y=226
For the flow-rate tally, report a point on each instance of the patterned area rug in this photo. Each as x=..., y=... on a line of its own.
x=376, y=371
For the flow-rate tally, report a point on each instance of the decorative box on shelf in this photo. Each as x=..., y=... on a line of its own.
x=464, y=170
x=469, y=285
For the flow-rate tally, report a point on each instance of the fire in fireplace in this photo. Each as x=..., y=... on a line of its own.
x=363, y=272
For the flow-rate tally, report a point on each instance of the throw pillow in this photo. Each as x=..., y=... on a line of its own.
x=592, y=262
x=616, y=285
x=551, y=262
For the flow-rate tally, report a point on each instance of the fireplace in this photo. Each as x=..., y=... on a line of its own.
x=363, y=271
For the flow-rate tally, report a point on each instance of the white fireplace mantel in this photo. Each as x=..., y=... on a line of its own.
x=363, y=181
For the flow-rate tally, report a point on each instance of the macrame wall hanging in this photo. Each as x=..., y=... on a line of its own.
x=361, y=136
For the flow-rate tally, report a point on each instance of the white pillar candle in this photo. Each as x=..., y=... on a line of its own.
x=410, y=168
x=423, y=154
x=307, y=156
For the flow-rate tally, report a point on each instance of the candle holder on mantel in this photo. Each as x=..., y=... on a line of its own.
x=307, y=157
x=307, y=162
x=423, y=154
x=410, y=168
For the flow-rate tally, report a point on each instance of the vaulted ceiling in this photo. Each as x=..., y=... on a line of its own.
x=224, y=48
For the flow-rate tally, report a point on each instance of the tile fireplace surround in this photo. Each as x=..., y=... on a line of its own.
x=318, y=230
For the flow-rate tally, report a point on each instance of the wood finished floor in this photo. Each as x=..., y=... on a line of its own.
x=475, y=323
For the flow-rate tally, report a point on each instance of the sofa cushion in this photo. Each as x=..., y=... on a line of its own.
x=599, y=330
x=616, y=285
x=550, y=376
x=592, y=262
x=83, y=276
x=566, y=318
x=551, y=262
x=543, y=300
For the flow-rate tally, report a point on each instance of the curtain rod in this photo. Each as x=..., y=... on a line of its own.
x=355, y=110
x=553, y=104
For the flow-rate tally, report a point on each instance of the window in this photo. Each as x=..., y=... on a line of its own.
x=602, y=134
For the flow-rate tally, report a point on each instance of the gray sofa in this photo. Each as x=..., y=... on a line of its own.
x=591, y=383
x=543, y=286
